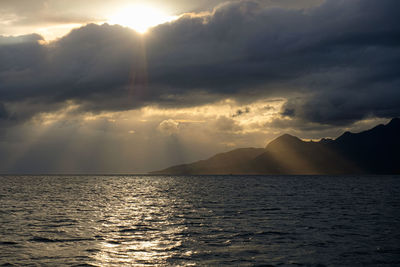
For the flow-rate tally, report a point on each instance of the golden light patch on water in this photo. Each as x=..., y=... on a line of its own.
x=198, y=221
x=140, y=225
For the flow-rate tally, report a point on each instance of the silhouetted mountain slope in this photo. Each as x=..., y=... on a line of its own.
x=235, y=161
x=290, y=155
x=375, y=151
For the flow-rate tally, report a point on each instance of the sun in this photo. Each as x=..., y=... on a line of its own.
x=140, y=18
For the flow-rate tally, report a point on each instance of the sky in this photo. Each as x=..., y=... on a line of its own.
x=134, y=86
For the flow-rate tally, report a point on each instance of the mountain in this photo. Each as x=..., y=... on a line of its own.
x=375, y=151
x=232, y=162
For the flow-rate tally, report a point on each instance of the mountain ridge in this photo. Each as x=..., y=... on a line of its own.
x=374, y=151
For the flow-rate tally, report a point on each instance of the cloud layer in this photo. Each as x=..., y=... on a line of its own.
x=336, y=63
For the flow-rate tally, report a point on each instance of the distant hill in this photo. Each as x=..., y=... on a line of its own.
x=375, y=151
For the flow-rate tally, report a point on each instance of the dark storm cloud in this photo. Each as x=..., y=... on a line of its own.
x=3, y=112
x=336, y=63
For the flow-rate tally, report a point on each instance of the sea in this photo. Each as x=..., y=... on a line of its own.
x=79, y=220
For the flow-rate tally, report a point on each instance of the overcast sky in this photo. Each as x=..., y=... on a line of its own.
x=78, y=94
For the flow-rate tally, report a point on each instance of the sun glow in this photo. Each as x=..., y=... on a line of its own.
x=140, y=18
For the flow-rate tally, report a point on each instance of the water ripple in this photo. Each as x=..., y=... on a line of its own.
x=206, y=221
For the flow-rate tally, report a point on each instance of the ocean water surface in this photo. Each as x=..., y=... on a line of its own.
x=199, y=221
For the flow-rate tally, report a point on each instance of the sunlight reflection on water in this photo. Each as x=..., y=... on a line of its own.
x=142, y=225
x=159, y=221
